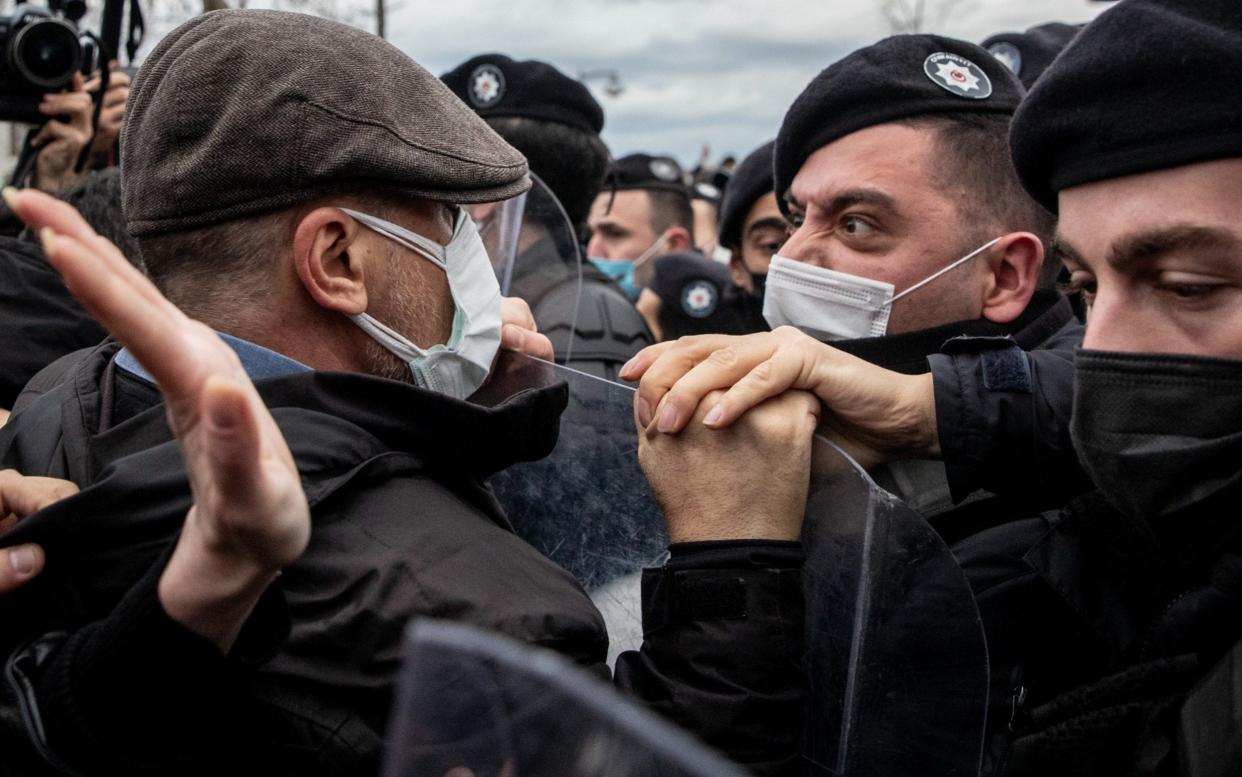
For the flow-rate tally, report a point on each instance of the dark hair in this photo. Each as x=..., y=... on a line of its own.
x=670, y=208
x=974, y=155
x=220, y=267
x=97, y=196
x=215, y=273
x=570, y=161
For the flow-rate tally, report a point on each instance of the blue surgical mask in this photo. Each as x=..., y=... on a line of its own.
x=621, y=271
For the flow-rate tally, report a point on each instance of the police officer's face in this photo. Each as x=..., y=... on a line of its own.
x=1159, y=257
x=622, y=231
x=872, y=204
x=763, y=233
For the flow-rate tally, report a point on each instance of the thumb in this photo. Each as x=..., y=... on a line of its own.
x=18, y=565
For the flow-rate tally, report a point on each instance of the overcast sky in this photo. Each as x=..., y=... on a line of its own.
x=716, y=71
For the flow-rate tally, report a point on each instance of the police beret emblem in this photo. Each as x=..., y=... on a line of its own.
x=958, y=75
x=1008, y=55
x=698, y=299
x=487, y=86
x=663, y=169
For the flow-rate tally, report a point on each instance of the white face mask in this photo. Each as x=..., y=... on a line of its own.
x=459, y=367
x=831, y=305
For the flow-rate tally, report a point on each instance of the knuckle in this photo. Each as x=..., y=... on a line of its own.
x=724, y=357
x=763, y=373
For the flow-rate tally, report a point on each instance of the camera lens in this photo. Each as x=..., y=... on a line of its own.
x=46, y=53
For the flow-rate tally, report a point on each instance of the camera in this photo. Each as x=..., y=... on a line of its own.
x=40, y=50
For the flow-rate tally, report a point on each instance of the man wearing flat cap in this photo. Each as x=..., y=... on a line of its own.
x=554, y=122
x=295, y=185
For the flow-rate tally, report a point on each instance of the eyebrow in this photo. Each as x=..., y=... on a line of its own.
x=608, y=223
x=849, y=198
x=769, y=222
x=1147, y=246
x=861, y=196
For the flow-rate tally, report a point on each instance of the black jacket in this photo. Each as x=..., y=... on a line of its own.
x=1097, y=627
x=403, y=527
x=39, y=321
x=1003, y=397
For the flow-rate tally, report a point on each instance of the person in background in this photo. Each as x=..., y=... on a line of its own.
x=643, y=213
x=555, y=122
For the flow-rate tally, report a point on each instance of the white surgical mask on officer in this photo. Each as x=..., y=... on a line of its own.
x=831, y=305
x=459, y=367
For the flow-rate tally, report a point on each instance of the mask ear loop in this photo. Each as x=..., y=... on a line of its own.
x=381, y=227
x=655, y=248
x=944, y=270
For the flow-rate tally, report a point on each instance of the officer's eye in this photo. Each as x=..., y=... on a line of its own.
x=1080, y=282
x=856, y=226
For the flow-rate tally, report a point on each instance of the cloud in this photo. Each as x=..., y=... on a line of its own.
x=695, y=71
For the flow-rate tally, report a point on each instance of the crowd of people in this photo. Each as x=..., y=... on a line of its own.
x=269, y=357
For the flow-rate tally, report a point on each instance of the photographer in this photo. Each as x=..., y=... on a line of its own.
x=68, y=130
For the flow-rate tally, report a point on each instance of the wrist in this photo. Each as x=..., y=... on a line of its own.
x=210, y=592
x=741, y=525
x=918, y=409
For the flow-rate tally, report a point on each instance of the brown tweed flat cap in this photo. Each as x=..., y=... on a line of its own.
x=238, y=112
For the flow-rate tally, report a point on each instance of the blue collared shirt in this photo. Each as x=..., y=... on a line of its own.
x=257, y=361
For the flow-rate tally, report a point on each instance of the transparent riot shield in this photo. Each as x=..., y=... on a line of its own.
x=473, y=704
x=896, y=657
x=897, y=667
x=587, y=505
x=536, y=255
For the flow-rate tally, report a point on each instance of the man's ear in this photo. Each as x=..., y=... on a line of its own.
x=1013, y=276
x=677, y=239
x=328, y=262
x=739, y=273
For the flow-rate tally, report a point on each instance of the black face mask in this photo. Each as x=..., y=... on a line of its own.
x=1158, y=433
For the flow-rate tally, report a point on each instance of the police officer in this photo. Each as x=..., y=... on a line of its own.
x=1101, y=617
x=643, y=213
x=690, y=294
x=916, y=249
x=555, y=122
x=753, y=229
x=1028, y=54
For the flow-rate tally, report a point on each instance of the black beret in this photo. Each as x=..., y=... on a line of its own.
x=241, y=112
x=751, y=180
x=1028, y=54
x=898, y=78
x=643, y=171
x=496, y=85
x=691, y=288
x=1148, y=85
x=708, y=192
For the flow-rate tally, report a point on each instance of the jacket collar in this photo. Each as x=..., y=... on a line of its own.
x=327, y=415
